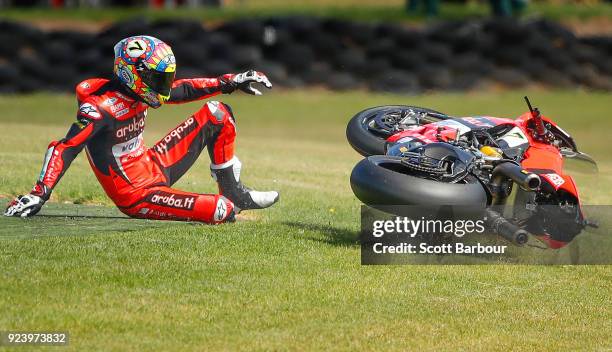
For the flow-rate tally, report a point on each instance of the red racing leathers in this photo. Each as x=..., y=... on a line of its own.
x=110, y=124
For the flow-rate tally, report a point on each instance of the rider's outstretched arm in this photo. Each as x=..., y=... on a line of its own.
x=192, y=89
x=59, y=156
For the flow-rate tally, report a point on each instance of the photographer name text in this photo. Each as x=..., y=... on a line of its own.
x=424, y=248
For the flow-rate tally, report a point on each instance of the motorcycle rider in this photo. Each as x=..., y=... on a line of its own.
x=110, y=124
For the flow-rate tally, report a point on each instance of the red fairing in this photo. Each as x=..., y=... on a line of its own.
x=552, y=244
x=543, y=156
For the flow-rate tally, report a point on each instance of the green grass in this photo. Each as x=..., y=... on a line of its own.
x=286, y=278
x=368, y=10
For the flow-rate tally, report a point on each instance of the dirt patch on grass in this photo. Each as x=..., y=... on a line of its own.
x=593, y=26
x=247, y=216
x=65, y=24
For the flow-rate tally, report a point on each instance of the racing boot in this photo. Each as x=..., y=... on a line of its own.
x=227, y=176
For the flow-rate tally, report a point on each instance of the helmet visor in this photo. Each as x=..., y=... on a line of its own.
x=161, y=82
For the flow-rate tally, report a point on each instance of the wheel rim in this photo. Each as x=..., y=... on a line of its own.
x=387, y=122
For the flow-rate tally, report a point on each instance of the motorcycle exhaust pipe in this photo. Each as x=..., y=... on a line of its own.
x=505, y=228
x=526, y=180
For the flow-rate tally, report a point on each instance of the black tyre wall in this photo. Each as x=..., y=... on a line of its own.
x=376, y=185
x=335, y=53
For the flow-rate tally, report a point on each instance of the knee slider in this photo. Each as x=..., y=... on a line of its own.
x=220, y=112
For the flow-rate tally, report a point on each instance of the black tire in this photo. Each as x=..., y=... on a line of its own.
x=445, y=32
x=365, y=141
x=407, y=60
x=510, y=77
x=216, y=68
x=247, y=56
x=245, y=31
x=351, y=60
x=9, y=74
x=342, y=81
x=301, y=27
x=585, y=54
x=86, y=60
x=435, y=77
x=465, y=81
x=468, y=62
x=561, y=61
x=395, y=81
x=410, y=38
x=437, y=53
x=296, y=57
x=275, y=71
x=58, y=52
x=512, y=56
x=554, y=78
x=381, y=48
x=190, y=53
x=376, y=68
x=334, y=26
x=324, y=45
x=380, y=180
x=361, y=33
x=319, y=73
x=220, y=46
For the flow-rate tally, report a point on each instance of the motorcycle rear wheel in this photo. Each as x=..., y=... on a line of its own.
x=367, y=136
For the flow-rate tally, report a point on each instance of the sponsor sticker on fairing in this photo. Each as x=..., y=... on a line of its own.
x=454, y=124
x=514, y=138
x=554, y=179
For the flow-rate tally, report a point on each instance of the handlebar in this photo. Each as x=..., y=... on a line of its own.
x=505, y=228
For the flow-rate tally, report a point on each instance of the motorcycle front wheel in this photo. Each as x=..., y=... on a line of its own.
x=384, y=180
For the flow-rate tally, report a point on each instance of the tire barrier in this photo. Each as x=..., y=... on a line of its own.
x=333, y=53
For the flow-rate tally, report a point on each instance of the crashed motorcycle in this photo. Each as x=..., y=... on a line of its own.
x=419, y=156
